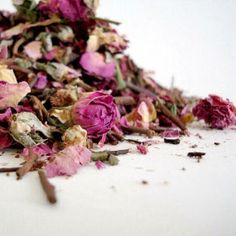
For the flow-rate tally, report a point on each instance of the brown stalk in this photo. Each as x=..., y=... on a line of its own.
x=173, y=118
x=133, y=129
x=125, y=100
x=11, y=169
x=48, y=188
x=27, y=166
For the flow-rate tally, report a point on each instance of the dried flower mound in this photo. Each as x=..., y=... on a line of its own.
x=70, y=9
x=95, y=113
x=5, y=139
x=75, y=135
x=216, y=112
x=12, y=94
x=7, y=75
x=33, y=50
x=68, y=161
x=94, y=64
x=142, y=149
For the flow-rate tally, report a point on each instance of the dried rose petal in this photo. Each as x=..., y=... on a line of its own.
x=142, y=115
x=42, y=81
x=41, y=150
x=95, y=113
x=142, y=149
x=33, y=50
x=170, y=133
x=94, y=64
x=75, y=135
x=3, y=52
x=7, y=75
x=70, y=9
x=99, y=164
x=216, y=112
x=12, y=94
x=5, y=139
x=68, y=161
x=5, y=115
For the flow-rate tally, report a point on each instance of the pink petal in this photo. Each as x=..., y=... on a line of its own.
x=68, y=161
x=142, y=149
x=33, y=50
x=12, y=94
x=94, y=64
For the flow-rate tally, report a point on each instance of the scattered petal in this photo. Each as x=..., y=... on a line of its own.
x=68, y=161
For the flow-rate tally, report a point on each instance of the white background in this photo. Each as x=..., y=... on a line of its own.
x=194, y=40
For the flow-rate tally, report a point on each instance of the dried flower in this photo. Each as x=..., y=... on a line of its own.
x=43, y=151
x=5, y=139
x=99, y=164
x=27, y=129
x=75, y=135
x=95, y=113
x=93, y=63
x=142, y=149
x=70, y=9
x=68, y=161
x=8, y=95
x=33, y=50
x=5, y=116
x=216, y=112
x=142, y=115
x=7, y=75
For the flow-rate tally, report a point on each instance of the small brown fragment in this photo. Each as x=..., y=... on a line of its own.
x=216, y=143
x=144, y=182
x=48, y=188
x=172, y=141
x=196, y=155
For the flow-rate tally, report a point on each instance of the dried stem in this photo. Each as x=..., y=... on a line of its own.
x=11, y=169
x=27, y=166
x=48, y=188
x=126, y=101
x=173, y=118
x=133, y=129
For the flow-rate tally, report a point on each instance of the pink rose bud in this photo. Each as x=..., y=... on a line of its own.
x=96, y=113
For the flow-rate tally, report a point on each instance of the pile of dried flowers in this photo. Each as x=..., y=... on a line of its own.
x=67, y=88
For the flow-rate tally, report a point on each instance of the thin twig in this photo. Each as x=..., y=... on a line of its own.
x=48, y=188
x=27, y=166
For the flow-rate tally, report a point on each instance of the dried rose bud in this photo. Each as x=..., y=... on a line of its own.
x=96, y=113
x=216, y=112
x=75, y=135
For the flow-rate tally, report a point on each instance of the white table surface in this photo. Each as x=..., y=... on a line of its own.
x=195, y=42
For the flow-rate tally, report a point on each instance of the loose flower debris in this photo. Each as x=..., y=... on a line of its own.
x=67, y=88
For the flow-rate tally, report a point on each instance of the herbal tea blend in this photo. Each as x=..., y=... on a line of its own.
x=67, y=88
